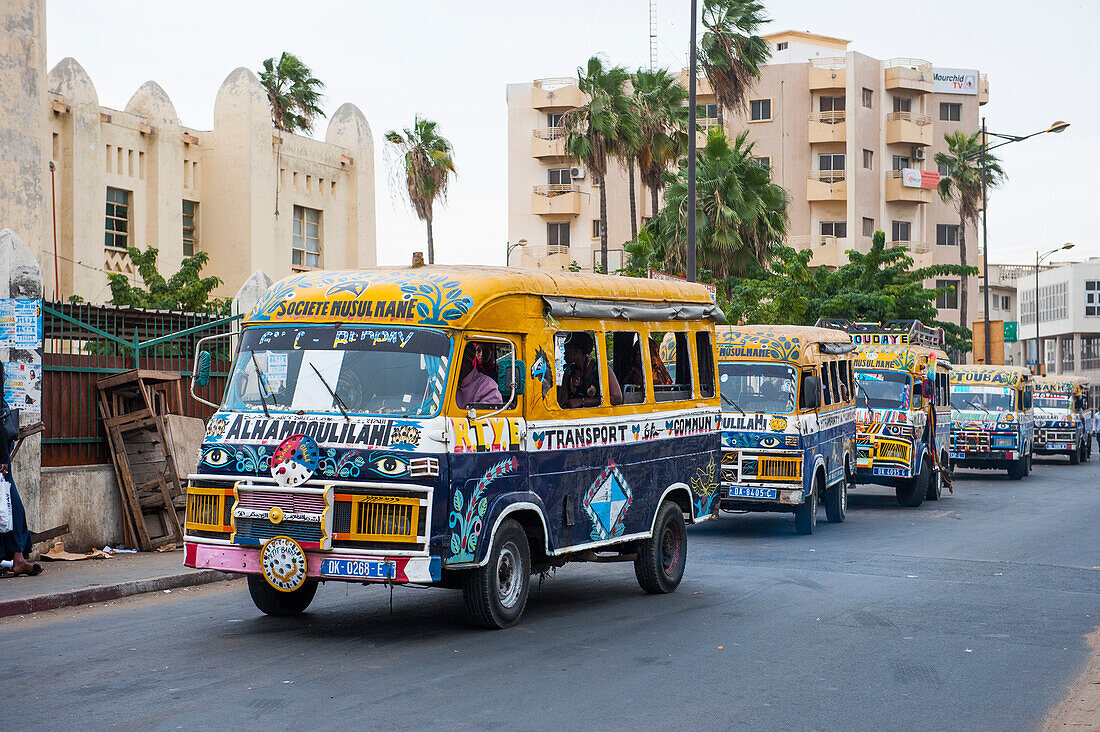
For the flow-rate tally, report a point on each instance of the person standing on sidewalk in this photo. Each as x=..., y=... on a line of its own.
x=14, y=544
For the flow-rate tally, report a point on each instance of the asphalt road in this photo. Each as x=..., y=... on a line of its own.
x=966, y=614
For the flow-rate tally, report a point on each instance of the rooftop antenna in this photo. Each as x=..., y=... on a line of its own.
x=652, y=35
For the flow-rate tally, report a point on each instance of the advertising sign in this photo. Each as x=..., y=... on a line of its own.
x=914, y=178
x=656, y=275
x=954, y=81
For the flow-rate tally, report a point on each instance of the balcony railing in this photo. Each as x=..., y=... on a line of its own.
x=828, y=176
x=914, y=247
x=828, y=118
x=917, y=64
x=811, y=241
x=829, y=62
x=548, y=133
x=917, y=119
x=554, y=83
x=556, y=189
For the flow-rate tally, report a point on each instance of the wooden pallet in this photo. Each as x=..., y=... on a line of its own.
x=133, y=407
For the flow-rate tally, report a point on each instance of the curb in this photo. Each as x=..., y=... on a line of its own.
x=106, y=593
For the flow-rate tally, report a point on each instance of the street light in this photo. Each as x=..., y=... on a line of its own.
x=1040, y=366
x=508, y=253
x=1056, y=127
x=690, y=263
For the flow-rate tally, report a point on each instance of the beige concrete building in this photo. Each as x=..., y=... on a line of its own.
x=836, y=127
x=250, y=196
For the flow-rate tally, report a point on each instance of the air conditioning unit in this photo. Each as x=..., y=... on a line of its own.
x=576, y=172
x=918, y=153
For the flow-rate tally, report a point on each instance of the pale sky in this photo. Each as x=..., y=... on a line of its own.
x=451, y=61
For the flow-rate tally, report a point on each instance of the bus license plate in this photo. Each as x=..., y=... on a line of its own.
x=957, y=455
x=890, y=472
x=372, y=569
x=1057, y=446
x=742, y=491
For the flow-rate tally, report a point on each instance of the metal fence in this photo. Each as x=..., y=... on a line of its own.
x=84, y=343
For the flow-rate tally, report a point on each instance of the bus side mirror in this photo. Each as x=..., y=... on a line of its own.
x=201, y=374
x=811, y=392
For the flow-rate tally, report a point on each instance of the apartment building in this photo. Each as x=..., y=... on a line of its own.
x=101, y=179
x=852, y=138
x=1069, y=319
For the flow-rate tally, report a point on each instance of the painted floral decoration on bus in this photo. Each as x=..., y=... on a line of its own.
x=758, y=345
x=984, y=376
x=704, y=486
x=606, y=503
x=467, y=518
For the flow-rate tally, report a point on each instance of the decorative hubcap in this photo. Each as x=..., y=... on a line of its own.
x=508, y=579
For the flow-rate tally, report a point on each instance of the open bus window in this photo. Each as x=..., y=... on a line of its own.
x=676, y=359
x=706, y=364
x=826, y=384
x=477, y=383
x=624, y=353
x=881, y=389
x=579, y=380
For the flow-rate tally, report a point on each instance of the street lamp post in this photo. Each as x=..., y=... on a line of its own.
x=508, y=253
x=691, y=148
x=1040, y=365
x=1056, y=127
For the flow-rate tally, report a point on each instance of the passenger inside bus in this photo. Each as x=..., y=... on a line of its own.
x=624, y=350
x=581, y=385
x=474, y=386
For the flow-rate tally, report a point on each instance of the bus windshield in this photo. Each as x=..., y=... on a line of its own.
x=983, y=398
x=881, y=389
x=764, y=388
x=1053, y=400
x=361, y=370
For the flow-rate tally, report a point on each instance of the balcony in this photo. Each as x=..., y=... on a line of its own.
x=908, y=128
x=827, y=73
x=898, y=193
x=561, y=92
x=702, y=83
x=827, y=185
x=548, y=142
x=556, y=199
x=706, y=124
x=911, y=74
x=914, y=247
x=828, y=251
x=983, y=89
x=827, y=127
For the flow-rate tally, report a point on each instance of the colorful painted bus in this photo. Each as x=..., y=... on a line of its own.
x=1063, y=420
x=992, y=419
x=463, y=427
x=788, y=420
x=904, y=417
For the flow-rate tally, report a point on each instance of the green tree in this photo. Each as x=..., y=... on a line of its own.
x=601, y=128
x=731, y=53
x=186, y=290
x=963, y=185
x=741, y=215
x=293, y=93
x=428, y=164
x=658, y=103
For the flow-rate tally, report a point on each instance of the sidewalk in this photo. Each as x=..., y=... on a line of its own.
x=99, y=580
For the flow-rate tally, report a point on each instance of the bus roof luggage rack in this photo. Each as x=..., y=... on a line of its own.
x=898, y=332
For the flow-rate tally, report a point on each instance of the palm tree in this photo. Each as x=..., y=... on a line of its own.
x=601, y=128
x=731, y=53
x=294, y=95
x=662, y=126
x=741, y=215
x=428, y=160
x=963, y=184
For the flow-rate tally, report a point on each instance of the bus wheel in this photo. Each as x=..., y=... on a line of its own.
x=805, y=516
x=1019, y=469
x=1075, y=455
x=659, y=565
x=275, y=602
x=935, y=486
x=496, y=593
x=910, y=493
x=836, y=499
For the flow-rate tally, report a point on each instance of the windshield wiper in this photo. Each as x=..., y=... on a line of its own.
x=733, y=404
x=977, y=403
x=262, y=383
x=335, y=397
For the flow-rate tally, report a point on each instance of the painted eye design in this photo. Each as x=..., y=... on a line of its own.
x=769, y=441
x=216, y=457
x=390, y=465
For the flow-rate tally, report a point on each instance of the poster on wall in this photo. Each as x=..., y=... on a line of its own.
x=23, y=386
x=954, y=81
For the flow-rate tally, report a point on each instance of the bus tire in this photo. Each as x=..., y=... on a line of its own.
x=935, y=485
x=910, y=493
x=496, y=593
x=1075, y=455
x=659, y=565
x=836, y=499
x=805, y=516
x=1019, y=469
x=270, y=601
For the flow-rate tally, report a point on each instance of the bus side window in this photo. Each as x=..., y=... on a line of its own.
x=580, y=386
x=826, y=385
x=624, y=354
x=677, y=363
x=807, y=399
x=845, y=370
x=834, y=374
x=706, y=364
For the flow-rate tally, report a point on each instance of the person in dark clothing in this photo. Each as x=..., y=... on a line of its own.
x=14, y=544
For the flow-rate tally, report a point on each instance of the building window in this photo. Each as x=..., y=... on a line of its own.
x=838, y=229
x=760, y=110
x=555, y=119
x=899, y=231
x=782, y=45
x=558, y=176
x=868, y=97
x=557, y=236
x=1065, y=343
x=1090, y=352
x=614, y=261
x=868, y=226
x=190, y=223
x=948, y=298
x=595, y=228
x=1092, y=298
x=305, y=249
x=950, y=111
x=869, y=159
x=117, y=233
x=1006, y=302
x=947, y=235
x=900, y=162
x=1052, y=303
x=706, y=111
x=903, y=104
x=944, y=170
x=763, y=161
x=831, y=161
x=831, y=104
